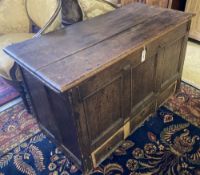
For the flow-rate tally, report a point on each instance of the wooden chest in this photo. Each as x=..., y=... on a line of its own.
x=91, y=84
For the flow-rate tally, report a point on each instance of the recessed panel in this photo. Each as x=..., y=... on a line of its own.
x=143, y=81
x=171, y=60
x=103, y=109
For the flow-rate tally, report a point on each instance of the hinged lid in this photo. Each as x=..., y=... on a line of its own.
x=64, y=58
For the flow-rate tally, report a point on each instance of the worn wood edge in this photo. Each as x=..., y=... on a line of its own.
x=32, y=72
x=127, y=129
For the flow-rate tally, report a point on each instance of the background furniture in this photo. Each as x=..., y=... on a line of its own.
x=193, y=6
x=92, y=83
x=160, y=3
x=71, y=12
x=174, y=4
x=178, y=4
x=17, y=18
x=94, y=8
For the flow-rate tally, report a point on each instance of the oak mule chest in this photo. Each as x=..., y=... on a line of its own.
x=92, y=83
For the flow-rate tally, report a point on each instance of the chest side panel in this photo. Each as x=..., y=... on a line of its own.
x=55, y=116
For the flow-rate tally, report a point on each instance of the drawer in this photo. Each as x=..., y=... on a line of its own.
x=107, y=148
x=164, y=95
x=137, y=119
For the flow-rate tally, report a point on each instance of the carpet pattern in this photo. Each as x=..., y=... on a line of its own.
x=36, y=156
x=186, y=103
x=16, y=126
x=7, y=92
x=167, y=143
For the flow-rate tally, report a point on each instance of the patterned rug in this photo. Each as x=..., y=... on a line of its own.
x=168, y=143
x=186, y=103
x=7, y=92
x=16, y=126
x=36, y=156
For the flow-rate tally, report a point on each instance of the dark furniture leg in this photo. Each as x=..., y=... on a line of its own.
x=19, y=86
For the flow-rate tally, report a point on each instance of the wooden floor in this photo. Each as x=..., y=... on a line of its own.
x=191, y=69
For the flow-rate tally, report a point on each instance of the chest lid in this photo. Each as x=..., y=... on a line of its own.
x=64, y=58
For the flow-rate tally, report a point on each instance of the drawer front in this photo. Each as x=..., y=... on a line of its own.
x=107, y=148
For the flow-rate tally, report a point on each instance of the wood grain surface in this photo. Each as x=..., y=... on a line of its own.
x=66, y=57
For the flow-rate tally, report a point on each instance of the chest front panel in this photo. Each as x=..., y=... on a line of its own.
x=105, y=100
